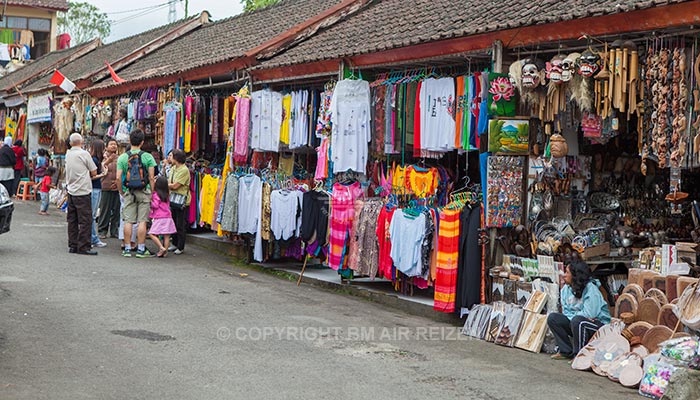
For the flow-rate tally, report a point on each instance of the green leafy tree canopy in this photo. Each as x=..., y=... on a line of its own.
x=83, y=21
x=250, y=5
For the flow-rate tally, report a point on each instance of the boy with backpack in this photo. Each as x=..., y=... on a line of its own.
x=136, y=171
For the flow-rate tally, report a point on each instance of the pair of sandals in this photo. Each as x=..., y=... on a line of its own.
x=162, y=253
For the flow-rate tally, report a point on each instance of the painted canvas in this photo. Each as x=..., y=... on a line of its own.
x=509, y=136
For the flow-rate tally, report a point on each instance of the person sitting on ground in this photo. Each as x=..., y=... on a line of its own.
x=162, y=220
x=584, y=311
x=44, y=187
x=135, y=170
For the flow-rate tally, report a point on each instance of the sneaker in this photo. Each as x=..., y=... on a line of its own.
x=143, y=254
x=126, y=253
x=99, y=244
x=178, y=251
x=172, y=248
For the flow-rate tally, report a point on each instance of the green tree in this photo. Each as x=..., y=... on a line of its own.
x=83, y=21
x=250, y=5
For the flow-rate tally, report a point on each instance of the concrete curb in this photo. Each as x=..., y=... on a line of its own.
x=390, y=300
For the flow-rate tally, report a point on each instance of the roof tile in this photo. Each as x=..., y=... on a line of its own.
x=60, y=5
x=431, y=20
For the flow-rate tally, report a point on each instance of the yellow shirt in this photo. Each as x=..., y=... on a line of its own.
x=398, y=180
x=423, y=184
x=210, y=186
x=287, y=107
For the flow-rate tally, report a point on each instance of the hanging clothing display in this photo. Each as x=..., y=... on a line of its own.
x=250, y=190
x=437, y=98
x=407, y=232
x=241, y=129
x=342, y=215
x=229, y=216
x=447, y=261
x=286, y=213
x=266, y=120
x=351, y=125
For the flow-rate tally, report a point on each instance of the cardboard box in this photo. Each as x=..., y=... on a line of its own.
x=596, y=251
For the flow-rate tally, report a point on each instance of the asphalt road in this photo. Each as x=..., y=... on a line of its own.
x=197, y=327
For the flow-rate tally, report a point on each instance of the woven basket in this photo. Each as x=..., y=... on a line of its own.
x=648, y=310
x=656, y=335
x=689, y=306
x=634, y=290
x=626, y=303
x=671, y=287
x=639, y=328
x=658, y=295
x=667, y=317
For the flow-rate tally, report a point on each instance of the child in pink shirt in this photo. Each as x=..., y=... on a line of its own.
x=162, y=220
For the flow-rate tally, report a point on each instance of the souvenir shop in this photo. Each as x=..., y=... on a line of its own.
x=598, y=161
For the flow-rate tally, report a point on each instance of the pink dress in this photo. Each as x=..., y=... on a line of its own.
x=162, y=220
x=240, y=152
x=342, y=216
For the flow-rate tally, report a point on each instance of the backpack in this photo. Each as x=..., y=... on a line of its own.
x=136, y=175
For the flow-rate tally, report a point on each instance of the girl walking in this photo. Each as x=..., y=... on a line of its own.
x=45, y=186
x=162, y=219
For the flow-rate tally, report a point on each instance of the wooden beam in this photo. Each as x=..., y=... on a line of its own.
x=292, y=71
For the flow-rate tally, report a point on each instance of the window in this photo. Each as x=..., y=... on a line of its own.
x=16, y=22
x=39, y=25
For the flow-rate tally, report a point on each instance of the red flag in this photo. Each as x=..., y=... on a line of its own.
x=115, y=77
x=59, y=79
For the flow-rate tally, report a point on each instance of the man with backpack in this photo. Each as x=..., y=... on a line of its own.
x=136, y=171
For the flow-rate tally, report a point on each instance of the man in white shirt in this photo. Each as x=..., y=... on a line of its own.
x=80, y=169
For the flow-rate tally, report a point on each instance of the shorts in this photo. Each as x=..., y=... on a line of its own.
x=137, y=206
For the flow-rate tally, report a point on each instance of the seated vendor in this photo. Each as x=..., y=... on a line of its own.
x=584, y=311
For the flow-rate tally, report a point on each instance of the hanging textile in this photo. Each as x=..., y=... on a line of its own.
x=342, y=215
x=214, y=120
x=241, y=129
x=351, y=126
x=384, y=242
x=286, y=119
x=210, y=185
x=266, y=120
x=437, y=103
x=229, y=216
x=447, y=261
x=189, y=105
x=468, y=289
x=250, y=210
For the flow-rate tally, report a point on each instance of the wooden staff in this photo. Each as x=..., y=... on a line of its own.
x=617, y=90
x=623, y=80
x=634, y=79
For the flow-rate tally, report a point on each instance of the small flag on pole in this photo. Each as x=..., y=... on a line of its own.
x=115, y=77
x=64, y=83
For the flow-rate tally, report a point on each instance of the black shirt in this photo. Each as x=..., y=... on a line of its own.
x=7, y=157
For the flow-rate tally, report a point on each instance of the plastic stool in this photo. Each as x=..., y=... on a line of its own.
x=26, y=190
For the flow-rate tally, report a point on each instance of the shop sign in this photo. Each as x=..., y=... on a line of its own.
x=39, y=108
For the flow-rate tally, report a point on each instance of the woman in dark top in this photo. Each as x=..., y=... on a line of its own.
x=108, y=220
x=97, y=153
x=7, y=165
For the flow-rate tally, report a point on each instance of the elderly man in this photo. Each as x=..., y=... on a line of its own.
x=80, y=169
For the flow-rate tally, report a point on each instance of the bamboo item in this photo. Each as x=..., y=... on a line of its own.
x=634, y=276
x=621, y=362
x=683, y=282
x=631, y=376
x=641, y=350
x=671, y=287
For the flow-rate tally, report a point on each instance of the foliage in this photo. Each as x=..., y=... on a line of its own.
x=250, y=5
x=83, y=21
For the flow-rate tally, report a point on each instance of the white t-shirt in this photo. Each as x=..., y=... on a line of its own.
x=437, y=122
x=350, y=115
x=250, y=210
x=284, y=206
x=266, y=120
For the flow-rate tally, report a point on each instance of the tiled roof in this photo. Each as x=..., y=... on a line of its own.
x=39, y=67
x=389, y=24
x=93, y=62
x=60, y=5
x=223, y=40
